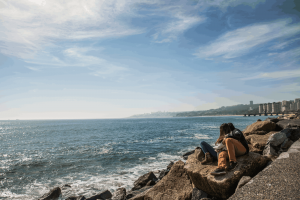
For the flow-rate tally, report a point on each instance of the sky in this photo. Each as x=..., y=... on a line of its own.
x=79, y=59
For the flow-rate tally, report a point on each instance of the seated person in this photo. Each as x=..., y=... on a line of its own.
x=209, y=151
x=236, y=145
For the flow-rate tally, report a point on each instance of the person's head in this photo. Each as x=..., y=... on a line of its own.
x=224, y=129
x=231, y=126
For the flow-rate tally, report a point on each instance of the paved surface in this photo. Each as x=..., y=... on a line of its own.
x=280, y=180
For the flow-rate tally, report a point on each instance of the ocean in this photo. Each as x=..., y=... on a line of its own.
x=94, y=155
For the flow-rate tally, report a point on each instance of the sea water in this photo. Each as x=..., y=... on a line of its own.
x=94, y=155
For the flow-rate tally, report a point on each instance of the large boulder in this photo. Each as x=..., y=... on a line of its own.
x=176, y=185
x=223, y=186
x=266, y=126
x=119, y=194
x=52, y=195
x=258, y=142
x=285, y=123
x=243, y=181
x=143, y=180
x=102, y=195
x=137, y=194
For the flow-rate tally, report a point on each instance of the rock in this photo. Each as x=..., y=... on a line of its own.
x=137, y=193
x=258, y=142
x=52, y=195
x=119, y=194
x=259, y=120
x=256, y=133
x=270, y=151
x=175, y=185
x=293, y=122
x=76, y=198
x=170, y=165
x=65, y=186
x=150, y=183
x=187, y=154
x=243, y=181
x=199, y=154
x=223, y=186
x=277, y=139
x=198, y=194
x=295, y=134
x=275, y=120
x=102, y=195
x=259, y=126
x=253, y=149
x=163, y=173
x=143, y=180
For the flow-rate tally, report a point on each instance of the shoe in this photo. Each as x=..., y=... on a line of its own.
x=199, y=154
x=208, y=159
x=218, y=172
x=232, y=165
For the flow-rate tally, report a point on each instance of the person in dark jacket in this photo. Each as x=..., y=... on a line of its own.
x=236, y=145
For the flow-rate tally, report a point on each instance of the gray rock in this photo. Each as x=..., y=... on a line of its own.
x=102, y=195
x=52, y=195
x=277, y=138
x=198, y=194
x=170, y=165
x=242, y=182
x=292, y=122
x=275, y=120
x=269, y=151
x=295, y=134
x=163, y=173
x=119, y=194
x=134, y=193
x=76, y=198
x=143, y=180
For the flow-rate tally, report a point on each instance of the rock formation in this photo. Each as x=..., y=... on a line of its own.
x=265, y=126
x=223, y=186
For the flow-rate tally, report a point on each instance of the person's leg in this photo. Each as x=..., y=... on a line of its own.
x=235, y=148
x=222, y=159
x=207, y=148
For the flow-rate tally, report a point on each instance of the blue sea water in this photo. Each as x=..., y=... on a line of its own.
x=93, y=155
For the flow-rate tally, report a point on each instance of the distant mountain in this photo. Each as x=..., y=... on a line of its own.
x=240, y=109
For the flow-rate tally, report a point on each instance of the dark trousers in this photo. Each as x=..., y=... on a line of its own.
x=207, y=148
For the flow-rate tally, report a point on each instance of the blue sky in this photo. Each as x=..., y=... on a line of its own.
x=111, y=59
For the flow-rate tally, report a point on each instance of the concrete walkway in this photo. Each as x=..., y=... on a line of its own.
x=280, y=180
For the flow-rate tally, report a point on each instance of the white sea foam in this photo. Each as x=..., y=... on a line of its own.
x=201, y=136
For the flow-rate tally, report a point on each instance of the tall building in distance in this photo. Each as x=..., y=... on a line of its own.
x=279, y=107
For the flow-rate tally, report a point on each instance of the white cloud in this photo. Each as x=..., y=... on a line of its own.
x=177, y=26
x=276, y=75
x=244, y=40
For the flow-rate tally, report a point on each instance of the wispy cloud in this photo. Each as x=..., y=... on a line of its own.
x=244, y=40
x=285, y=74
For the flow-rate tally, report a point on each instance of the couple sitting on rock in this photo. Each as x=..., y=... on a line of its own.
x=231, y=143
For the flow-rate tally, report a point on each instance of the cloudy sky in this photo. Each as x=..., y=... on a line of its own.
x=62, y=59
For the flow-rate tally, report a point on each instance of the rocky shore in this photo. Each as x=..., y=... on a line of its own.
x=273, y=143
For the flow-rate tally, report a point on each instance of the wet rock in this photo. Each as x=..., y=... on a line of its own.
x=243, y=181
x=259, y=120
x=223, y=186
x=76, y=198
x=259, y=126
x=143, y=180
x=137, y=193
x=102, y=195
x=163, y=173
x=119, y=194
x=52, y=195
x=198, y=194
x=292, y=122
x=170, y=165
x=175, y=185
